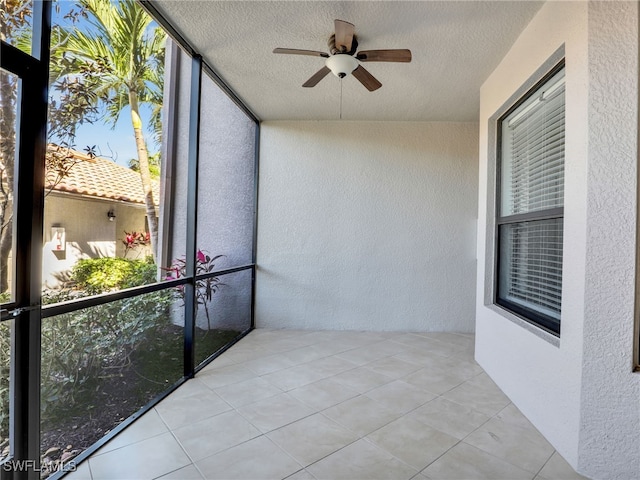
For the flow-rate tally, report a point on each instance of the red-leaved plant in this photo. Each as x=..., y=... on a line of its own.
x=206, y=287
x=134, y=239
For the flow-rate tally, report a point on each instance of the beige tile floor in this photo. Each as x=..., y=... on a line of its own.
x=334, y=405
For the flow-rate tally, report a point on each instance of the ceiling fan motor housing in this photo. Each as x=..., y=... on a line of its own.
x=343, y=60
x=341, y=64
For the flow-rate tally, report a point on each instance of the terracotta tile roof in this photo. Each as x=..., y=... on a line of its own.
x=102, y=178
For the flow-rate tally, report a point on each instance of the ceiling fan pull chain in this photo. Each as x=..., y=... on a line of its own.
x=340, y=99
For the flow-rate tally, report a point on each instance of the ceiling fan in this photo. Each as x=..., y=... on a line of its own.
x=344, y=60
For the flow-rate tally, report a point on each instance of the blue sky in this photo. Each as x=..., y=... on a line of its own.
x=116, y=143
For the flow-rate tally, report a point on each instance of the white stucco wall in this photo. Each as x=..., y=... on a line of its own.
x=610, y=417
x=89, y=233
x=566, y=387
x=367, y=226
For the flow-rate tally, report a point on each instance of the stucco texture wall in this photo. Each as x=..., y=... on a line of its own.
x=88, y=231
x=367, y=226
x=579, y=391
x=225, y=189
x=610, y=416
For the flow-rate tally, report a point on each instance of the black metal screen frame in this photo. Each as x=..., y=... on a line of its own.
x=26, y=310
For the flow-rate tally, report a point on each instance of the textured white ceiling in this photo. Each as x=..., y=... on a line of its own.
x=455, y=46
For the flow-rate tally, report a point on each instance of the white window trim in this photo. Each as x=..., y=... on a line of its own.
x=490, y=257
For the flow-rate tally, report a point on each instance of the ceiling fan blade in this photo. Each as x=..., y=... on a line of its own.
x=295, y=51
x=344, y=35
x=366, y=79
x=398, y=55
x=319, y=75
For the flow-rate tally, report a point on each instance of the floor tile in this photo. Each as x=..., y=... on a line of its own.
x=412, y=442
x=330, y=366
x=400, y=396
x=363, y=355
x=147, y=459
x=323, y=394
x=219, y=377
x=269, y=364
x=361, y=414
x=312, y=438
x=332, y=347
x=190, y=472
x=420, y=476
x=303, y=355
x=220, y=361
x=361, y=460
x=381, y=416
x=247, y=391
x=192, y=387
x=256, y=459
x=323, y=336
x=479, y=394
x=286, y=344
x=422, y=358
x=392, y=367
x=362, y=379
x=178, y=410
x=82, y=472
x=215, y=434
x=245, y=352
x=511, y=415
x=452, y=338
x=436, y=380
x=449, y=417
x=522, y=447
x=455, y=364
x=294, y=377
x=361, y=339
x=301, y=475
x=275, y=412
x=433, y=346
x=557, y=468
x=466, y=462
x=147, y=426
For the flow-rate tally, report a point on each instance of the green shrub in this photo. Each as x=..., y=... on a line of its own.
x=79, y=347
x=99, y=275
x=5, y=297
x=5, y=369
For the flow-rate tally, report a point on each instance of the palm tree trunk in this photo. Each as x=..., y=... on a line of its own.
x=145, y=176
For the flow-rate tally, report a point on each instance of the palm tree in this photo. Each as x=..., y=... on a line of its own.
x=120, y=38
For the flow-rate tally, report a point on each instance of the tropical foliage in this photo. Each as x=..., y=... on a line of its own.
x=100, y=275
x=123, y=40
x=206, y=287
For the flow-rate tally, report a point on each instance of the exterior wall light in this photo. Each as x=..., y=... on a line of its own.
x=111, y=215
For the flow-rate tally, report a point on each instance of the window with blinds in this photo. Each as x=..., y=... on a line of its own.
x=530, y=205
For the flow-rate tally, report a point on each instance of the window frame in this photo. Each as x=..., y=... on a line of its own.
x=536, y=319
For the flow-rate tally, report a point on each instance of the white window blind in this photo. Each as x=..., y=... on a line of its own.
x=531, y=199
x=533, y=152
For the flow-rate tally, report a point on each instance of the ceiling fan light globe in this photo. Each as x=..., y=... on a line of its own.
x=341, y=64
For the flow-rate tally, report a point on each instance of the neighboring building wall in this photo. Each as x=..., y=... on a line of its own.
x=130, y=218
x=88, y=232
x=580, y=391
x=367, y=226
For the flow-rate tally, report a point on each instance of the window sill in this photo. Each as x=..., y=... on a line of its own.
x=537, y=331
